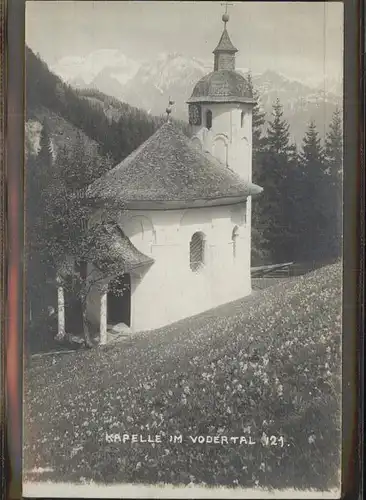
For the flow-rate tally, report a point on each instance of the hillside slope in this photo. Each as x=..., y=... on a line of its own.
x=62, y=132
x=266, y=365
x=173, y=75
x=108, y=125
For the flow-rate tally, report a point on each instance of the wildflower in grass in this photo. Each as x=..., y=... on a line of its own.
x=253, y=396
x=264, y=439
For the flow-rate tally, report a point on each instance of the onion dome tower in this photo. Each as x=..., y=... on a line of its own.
x=220, y=110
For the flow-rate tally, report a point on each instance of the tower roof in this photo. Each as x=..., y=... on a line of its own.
x=222, y=86
x=225, y=44
x=169, y=171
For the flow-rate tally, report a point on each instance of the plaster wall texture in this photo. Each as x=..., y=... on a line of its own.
x=230, y=137
x=169, y=290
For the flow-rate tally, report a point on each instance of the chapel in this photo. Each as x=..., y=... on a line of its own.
x=183, y=237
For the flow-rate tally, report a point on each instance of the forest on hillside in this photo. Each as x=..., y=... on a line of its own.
x=117, y=128
x=298, y=217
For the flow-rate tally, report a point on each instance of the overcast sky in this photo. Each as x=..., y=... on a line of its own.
x=303, y=40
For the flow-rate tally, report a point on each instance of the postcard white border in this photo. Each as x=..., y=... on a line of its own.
x=128, y=490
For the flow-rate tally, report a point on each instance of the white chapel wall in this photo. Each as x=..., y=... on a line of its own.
x=170, y=290
x=231, y=127
x=140, y=230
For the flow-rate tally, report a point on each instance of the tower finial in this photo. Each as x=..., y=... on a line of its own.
x=225, y=16
x=225, y=50
x=169, y=109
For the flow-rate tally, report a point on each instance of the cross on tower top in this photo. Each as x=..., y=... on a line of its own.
x=225, y=16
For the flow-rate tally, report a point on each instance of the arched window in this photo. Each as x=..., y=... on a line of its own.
x=242, y=119
x=197, y=252
x=234, y=239
x=208, y=119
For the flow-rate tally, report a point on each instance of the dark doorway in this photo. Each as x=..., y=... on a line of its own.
x=73, y=309
x=119, y=301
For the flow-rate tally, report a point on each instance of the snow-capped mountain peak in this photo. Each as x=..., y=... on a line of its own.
x=87, y=68
x=169, y=68
x=149, y=85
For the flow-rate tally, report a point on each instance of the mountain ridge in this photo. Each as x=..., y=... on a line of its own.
x=108, y=126
x=172, y=75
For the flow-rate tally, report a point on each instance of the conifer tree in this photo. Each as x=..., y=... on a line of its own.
x=333, y=181
x=312, y=155
x=258, y=118
x=334, y=143
x=278, y=132
x=312, y=219
x=39, y=183
x=292, y=193
x=44, y=171
x=43, y=183
x=276, y=162
x=259, y=248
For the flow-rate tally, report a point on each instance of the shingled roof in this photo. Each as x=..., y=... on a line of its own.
x=222, y=86
x=109, y=250
x=168, y=170
x=120, y=251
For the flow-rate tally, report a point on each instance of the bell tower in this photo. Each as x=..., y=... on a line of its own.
x=220, y=110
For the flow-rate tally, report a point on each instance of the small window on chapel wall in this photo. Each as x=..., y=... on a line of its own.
x=197, y=252
x=208, y=119
x=234, y=239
